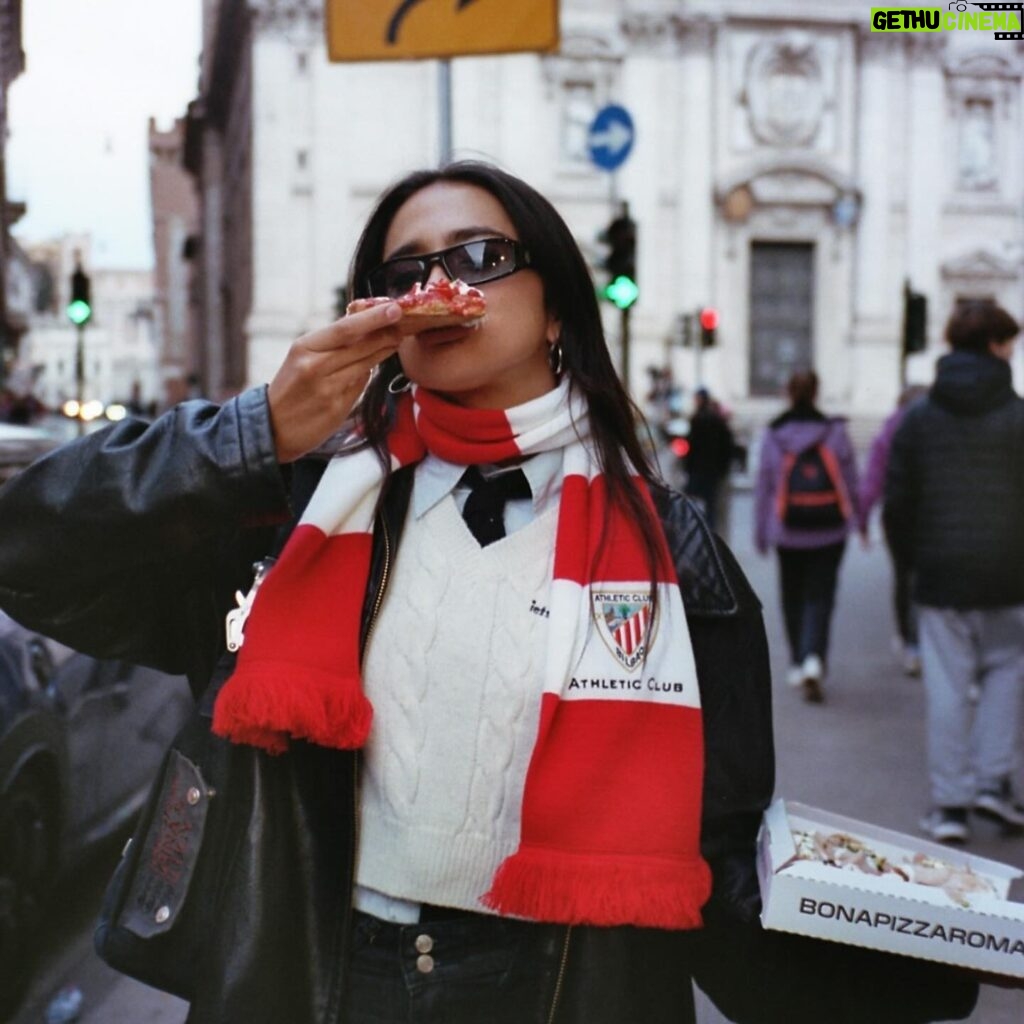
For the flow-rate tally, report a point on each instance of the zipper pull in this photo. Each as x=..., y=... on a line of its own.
x=234, y=622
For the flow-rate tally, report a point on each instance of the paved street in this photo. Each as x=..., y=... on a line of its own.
x=861, y=754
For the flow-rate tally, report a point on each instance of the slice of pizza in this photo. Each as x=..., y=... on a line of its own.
x=442, y=303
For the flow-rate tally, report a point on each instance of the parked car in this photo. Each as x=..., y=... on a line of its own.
x=21, y=445
x=80, y=742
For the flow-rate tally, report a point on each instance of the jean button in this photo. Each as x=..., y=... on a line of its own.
x=424, y=943
x=424, y=963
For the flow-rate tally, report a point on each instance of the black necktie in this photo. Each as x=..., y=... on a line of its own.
x=484, y=510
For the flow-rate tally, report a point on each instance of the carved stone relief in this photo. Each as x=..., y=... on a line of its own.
x=982, y=95
x=977, y=145
x=784, y=90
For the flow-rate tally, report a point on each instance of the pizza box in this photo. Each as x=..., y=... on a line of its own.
x=963, y=917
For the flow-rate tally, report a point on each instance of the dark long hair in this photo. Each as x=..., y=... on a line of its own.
x=568, y=294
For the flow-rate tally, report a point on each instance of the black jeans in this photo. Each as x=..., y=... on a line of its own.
x=463, y=969
x=906, y=610
x=808, y=579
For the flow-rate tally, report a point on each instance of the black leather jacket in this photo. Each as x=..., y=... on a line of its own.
x=131, y=542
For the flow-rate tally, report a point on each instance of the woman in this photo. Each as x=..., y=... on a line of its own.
x=547, y=819
x=805, y=505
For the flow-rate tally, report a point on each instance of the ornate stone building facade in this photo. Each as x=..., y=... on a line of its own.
x=12, y=62
x=791, y=169
x=175, y=222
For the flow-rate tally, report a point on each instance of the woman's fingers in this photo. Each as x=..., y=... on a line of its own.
x=353, y=329
x=325, y=371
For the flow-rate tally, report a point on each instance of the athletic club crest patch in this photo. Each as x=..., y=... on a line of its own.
x=626, y=624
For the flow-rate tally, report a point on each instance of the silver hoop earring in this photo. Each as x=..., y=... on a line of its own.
x=399, y=383
x=555, y=358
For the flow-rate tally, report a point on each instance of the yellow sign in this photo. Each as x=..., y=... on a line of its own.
x=406, y=29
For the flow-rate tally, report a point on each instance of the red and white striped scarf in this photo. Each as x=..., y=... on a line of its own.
x=612, y=803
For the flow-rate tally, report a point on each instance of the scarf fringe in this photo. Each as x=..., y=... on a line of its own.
x=265, y=704
x=565, y=888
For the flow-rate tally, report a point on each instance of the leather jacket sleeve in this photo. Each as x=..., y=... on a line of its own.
x=128, y=542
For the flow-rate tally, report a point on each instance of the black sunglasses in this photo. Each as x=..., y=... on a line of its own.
x=483, y=259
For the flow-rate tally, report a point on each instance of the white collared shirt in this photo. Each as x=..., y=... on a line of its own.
x=436, y=479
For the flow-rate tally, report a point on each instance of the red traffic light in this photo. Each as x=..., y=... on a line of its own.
x=680, y=447
x=709, y=318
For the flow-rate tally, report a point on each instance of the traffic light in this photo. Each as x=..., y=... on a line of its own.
x=80, y=307
x=708, y=326
x=915, y=321
x=620, y=236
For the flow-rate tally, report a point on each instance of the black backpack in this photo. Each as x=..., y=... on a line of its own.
x=812, y=494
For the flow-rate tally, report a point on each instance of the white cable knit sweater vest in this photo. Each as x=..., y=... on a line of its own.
x=453, y=671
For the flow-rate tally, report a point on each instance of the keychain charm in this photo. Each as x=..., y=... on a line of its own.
x=234, y=622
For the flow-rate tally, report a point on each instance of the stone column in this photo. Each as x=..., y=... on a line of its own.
x=925, y=163
x=877, y=275
x=695, y=226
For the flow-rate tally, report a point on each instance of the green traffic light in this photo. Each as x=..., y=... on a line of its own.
x=79, y=312
x=622, y=291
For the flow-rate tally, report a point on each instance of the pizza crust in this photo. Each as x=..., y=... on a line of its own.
x=442, y=303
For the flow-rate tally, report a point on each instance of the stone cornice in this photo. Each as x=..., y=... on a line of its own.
x=925, y=48
x=877, y=45
x=286, y=13
x=833, y=182
x=657, y=32
x=984, y=65
x=591, y=55
x=981, y=264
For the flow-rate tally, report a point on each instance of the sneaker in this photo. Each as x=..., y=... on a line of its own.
x=812, y=691
x=814, y=672
x=813, y=667
x=1000, y=805
x=911, y=661
x=947, y=824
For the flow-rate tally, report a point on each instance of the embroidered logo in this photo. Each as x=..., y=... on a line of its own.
x=626, y=624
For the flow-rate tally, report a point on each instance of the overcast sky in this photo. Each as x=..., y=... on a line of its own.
x=96, y=70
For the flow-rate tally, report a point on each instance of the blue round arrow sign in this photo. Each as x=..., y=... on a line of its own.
x=610, y=138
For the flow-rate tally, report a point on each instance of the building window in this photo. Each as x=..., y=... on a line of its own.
x=579, y=105
x=977, y=145
x=302, y=159
x=301, y=62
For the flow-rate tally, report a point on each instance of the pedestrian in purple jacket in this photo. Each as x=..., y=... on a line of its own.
x=809, y=552
x=872, y=487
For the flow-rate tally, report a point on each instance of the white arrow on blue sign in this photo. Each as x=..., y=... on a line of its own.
x=610, y=138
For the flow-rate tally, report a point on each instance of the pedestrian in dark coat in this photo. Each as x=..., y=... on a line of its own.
x=712, y=448
x=954, y=508
x=462, y=808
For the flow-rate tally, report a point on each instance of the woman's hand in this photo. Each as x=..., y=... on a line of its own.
x=323, y=375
